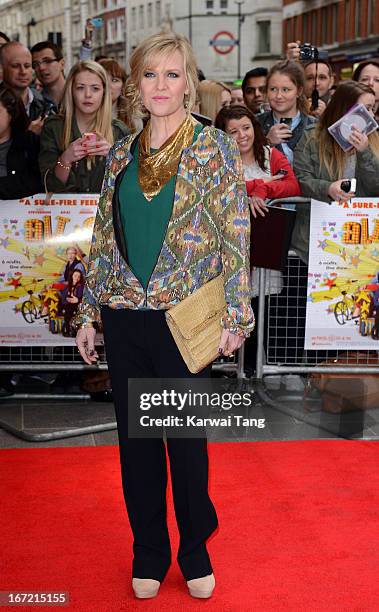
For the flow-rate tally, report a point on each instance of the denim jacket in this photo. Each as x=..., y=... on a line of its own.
x=208, y=233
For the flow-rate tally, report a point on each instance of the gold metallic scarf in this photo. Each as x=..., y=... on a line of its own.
x=156, y=169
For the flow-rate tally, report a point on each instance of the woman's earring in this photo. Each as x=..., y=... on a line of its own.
x=186, y=102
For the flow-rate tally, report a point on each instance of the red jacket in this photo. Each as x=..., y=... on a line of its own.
x=284, y=187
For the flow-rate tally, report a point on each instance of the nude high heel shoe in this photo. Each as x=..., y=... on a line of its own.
x=145, y=588
x=202, y=587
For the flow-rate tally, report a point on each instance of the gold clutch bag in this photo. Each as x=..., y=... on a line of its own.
x=195, y=324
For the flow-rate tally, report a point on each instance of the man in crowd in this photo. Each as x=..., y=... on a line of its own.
x=48, y=64
x=16, y=61
x=254, y=89
x=318, y=75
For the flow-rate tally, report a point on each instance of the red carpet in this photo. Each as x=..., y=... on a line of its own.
x=298, y=528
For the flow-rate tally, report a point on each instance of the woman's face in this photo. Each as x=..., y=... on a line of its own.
x=226, y=98
x=88, y=92
x=242, y=131
x=5, y=124
x=76, y=277
x=282, y=95
x=116, y=88
x=368, y=100
x=370, y=76
x=163, y=86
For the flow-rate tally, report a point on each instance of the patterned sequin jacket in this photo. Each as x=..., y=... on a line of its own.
x=208, y=232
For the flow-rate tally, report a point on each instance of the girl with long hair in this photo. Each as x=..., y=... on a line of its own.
x=213, y=96
x=118, y=77
x=75, y=143
x=289, y=116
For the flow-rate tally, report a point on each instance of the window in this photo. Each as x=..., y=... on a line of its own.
x=358, y=19
x=334, y=22
x=347, y=20
x=209, y=4
x=121, y=28
x=150, y=15
x=158, y=13
x=306, y=32
x=142, y=16
x=223, y=5
x=264, y=35
x=134, y=19
x=371, y=8
x=324, y=25
x=111, y=31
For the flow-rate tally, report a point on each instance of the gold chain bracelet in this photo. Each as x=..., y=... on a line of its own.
x=62, y=165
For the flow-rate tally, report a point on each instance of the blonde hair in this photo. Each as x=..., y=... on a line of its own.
x=210, y=97
x=330, y=153
x=102, y=123
x=147, y=54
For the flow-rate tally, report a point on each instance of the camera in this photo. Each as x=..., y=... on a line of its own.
x=310, y=53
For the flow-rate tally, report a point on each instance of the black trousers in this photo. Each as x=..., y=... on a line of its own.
x=139, y=345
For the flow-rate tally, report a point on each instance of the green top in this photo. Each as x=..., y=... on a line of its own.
x=144, y=223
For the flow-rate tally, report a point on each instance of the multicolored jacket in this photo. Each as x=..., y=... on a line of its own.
x=208, y=232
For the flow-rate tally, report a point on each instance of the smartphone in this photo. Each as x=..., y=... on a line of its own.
x=90, y=137
x=286, y=120
x=97, y=22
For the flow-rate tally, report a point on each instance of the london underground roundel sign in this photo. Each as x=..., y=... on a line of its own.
x=223, y=42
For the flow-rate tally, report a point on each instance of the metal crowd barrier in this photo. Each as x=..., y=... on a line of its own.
x=33, y=360
x=283, y=324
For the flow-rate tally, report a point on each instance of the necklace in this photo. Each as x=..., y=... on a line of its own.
x=156, y=169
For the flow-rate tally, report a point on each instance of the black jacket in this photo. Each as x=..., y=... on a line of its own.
x=23, y=175
x=267, y=121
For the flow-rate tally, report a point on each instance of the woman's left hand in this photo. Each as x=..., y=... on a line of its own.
x=99, y=147
x=229, y=343
x=358, y=139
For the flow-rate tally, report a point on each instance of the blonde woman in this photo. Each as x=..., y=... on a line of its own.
x=164, y=230
x=75, y=143
x=213, y=96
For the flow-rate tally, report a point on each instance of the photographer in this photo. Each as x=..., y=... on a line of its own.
x=318, y=73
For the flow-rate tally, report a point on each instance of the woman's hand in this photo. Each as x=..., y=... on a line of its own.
x=338, y=194
x=98, y=147
x=258, y=205
x=36, y=126
x=358, y=139
x=74, y=152
x=85, y=341
x=279, y=133
x=229, y=343
x=73, y=300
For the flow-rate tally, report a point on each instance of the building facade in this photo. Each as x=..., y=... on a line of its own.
x=347, y=29
x=215, y=28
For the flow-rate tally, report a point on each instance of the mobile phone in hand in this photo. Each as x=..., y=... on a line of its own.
x=90, y=137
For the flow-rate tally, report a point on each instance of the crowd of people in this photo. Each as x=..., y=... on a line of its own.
x=56, y=130
x=182, y=163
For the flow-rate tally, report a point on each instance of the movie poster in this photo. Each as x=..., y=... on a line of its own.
x=44, y=248
x=343, y=276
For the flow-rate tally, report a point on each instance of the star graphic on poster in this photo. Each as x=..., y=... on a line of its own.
x=39, y=259
x=322, y=244
x=15, y=282
x=355, y=261
x=329, y=283
x=4, y=242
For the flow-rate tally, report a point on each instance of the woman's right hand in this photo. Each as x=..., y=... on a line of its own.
x=279, y=133
x=337, y=194
x=74, y=152
x=85, y=341
x=258, y=205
